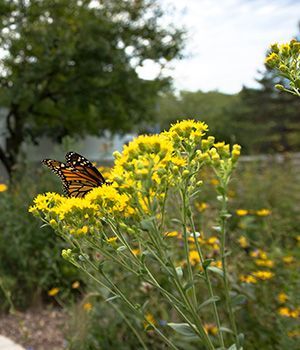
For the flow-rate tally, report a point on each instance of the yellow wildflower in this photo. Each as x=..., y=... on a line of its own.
x=201, y=206
x=284, y=311
x=241, y=212
x=188, y=129
x=136, y=251
x=243, y=242
x=263, y=212
x=259, y=253
x=87, y=307
x=282, y=297
x=111, y=240
x=210, y=328
x=217, y=263
x=52, y=292
x=265, y=263
x=289, y=259
x=287, y=312
x=213, y=240
x=76, y=285
x=149, y=319
x=194, y=257
x=294, y=333
x=248, y=279
x=3, y=187
x=214, y=182
x=171, y=234
x=82, y=230
x=263, y=275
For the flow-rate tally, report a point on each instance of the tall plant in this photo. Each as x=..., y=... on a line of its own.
x=128, y=225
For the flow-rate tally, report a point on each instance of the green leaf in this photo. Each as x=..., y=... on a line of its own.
x=232, y=347
x=179, y=271
x=120, y=249
x=241, y=338
x=147, y=224
x=226, y=330
x=113, y=298
x=216, y=270
x=209, y=301
x=183, y=329
x=238, y=299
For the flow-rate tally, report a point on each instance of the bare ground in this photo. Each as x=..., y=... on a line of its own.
x=36, y=329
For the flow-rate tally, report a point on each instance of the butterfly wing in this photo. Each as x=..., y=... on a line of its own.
x=78, y=175
x=85, y=167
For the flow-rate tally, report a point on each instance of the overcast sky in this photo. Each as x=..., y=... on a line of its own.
x=227, y=40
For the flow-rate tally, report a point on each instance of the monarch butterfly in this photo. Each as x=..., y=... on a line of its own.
x=78, y=174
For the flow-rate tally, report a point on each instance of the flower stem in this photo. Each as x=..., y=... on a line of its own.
x=224, y=267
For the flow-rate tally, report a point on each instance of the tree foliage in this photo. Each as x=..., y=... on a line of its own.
x=212, y=107
x=70, y=66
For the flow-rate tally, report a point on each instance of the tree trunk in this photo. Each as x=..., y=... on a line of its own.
x=15, y=129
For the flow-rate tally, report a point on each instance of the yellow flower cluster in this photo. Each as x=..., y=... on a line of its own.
x=139, y=180
x=287, y=312
x=285, y=58
x=3, y=187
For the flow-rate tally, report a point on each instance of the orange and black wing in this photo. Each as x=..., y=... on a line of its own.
x=78, y=175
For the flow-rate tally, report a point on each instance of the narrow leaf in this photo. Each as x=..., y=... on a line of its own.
x=183, y=328
x=216, y=270
x=209, y=301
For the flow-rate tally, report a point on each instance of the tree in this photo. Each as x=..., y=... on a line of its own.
x=265, y=119
x=210, y=107
x=70, y=67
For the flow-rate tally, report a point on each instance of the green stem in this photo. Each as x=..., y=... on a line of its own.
x=224, y=267
x=209, y=285
x=186, y=247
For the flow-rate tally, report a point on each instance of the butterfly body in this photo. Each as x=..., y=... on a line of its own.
x=78, y=174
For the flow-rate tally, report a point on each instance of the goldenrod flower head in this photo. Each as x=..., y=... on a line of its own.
x=149, y=319
x=263, y=275
x=282, y=298
x=74, y=206
x=53, y=223
x=136, y=251
x=242, y=212
x=243, y=242
x=83, y=230
x=112, y=240
x=171, y=234
x=213, y=240
x=201, y=206
x=66, y=254
x=194, y=257
x=107, y=199
x=46, y=202
x=52, y=292
x=210, y=328
x=294, y=333
x=259, y=253
x=287, y=312
x=76, y=285
x=264, y=262
x=188, y=129
x=248, y=279
x=217, y=263
x=289, y=259
x=3, y=187
x=87, y=307
x=263, y=212
x=272, y=59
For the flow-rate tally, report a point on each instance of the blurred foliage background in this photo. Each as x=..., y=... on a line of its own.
x=69, y=69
